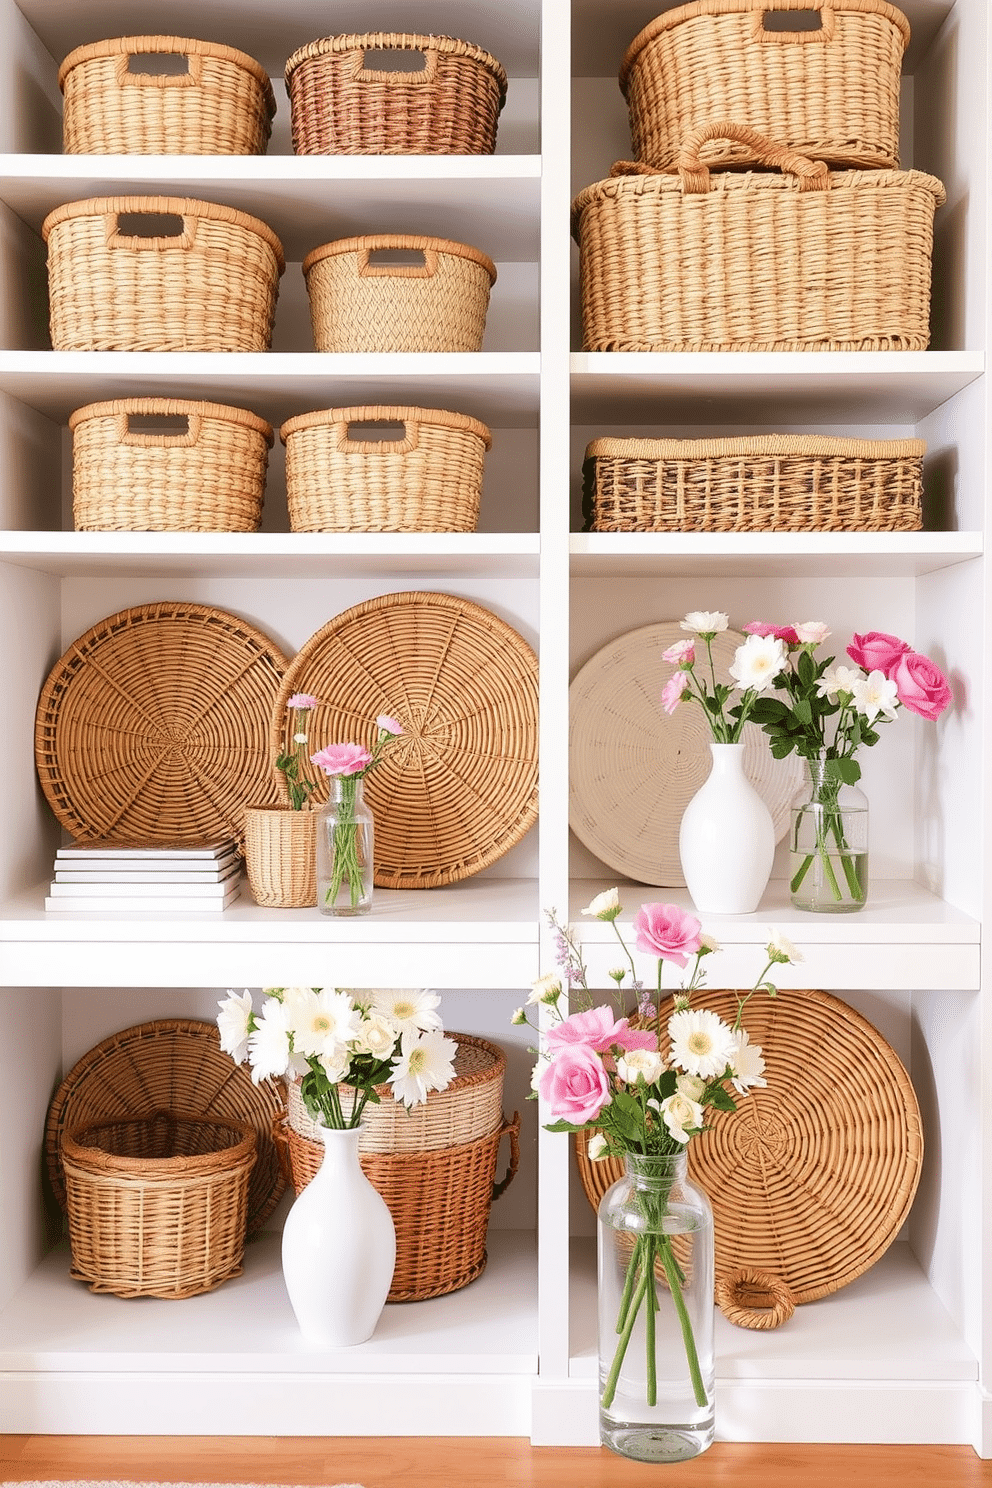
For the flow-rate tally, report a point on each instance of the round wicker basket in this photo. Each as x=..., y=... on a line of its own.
x=281, y=856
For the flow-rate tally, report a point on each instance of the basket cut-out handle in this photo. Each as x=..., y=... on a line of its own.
x=119, y=237
x=181, y=438
x=402, y=446
x=369, y=268
x=812, y=175
x=189, y=77
x=509, y=1129
x=783, y=34
x=363, y=73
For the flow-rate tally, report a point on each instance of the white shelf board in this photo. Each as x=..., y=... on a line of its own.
x=816, y=387
x=770, y=554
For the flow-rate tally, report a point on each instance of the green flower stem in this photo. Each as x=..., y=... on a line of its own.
x=612, y=1378
x=646, y=1249
x=628, y=1288
x=345, y=863
x=830, y=820
x=651, y=1303
x=673, y=1273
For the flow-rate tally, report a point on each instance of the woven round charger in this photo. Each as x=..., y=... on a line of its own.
x=153, y=727
x=633, y=769
x=811, y=1178
x=175, y=1062
x=458, y=789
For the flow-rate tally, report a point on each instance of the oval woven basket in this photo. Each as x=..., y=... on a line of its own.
x=205, y=278
x=810, y=1179
x=343, y=104
x=459, y=788
x=429, y=480
x=362, y=300
x=207, y=475
x=219, y=103
x=154, y=725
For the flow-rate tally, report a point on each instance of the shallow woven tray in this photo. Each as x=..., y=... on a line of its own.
x=459, y=788
x=756, y=483
x=153, y=726
x=810, y=1179
x=633, y=769
x=175, y=1062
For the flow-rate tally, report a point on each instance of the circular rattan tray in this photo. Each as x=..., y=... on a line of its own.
x=153, y=727
x=459, y=788
x=811, y=1178
x=170, y=1062
x=633, y=769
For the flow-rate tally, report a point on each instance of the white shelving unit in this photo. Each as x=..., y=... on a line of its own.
x=902, y=1354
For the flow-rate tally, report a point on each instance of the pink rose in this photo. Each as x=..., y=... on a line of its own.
x=877, y=652
x=785, y=633
x=575, y=1084
x=342, y=759
x=671, y=693
x=665, y=930
x=921, y=685
x=598, y=1030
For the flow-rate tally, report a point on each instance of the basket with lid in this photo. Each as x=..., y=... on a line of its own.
x=394, y=93
x=159, y=273
x=398, y=292
x=164, y=95
x=384, y=469
x=819, y=76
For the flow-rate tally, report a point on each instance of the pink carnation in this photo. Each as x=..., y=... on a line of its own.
x=600, y=1031
x=302, y=700
x=388, y=725
x=671, y=693
x=681, y=653
x=875, y=651
x=575, y=1084
x=666, y=931
x=342, y=759
x=785, y=633
x=921, y=685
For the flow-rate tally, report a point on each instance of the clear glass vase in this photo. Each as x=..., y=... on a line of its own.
x=655, y=1313
x=828, y=843
x=344, y=849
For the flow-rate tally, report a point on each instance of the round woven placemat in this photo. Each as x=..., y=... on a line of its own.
x=633, y=769
x=811, y=1178
x=172, y=1063
x=459, y=788
x=153, y=727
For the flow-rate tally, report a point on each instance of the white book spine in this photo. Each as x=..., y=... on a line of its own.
x=89, y=905
x=110, y=874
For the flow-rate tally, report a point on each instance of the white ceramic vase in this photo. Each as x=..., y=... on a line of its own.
x=727, y=838
x=338, y=1248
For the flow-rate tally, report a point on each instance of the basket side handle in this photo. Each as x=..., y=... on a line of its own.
x=179, y=440
x=509, y=1129
x=369, y=270
x=131, y=243
x=812, y=175
x=281, y=1143
x=349, y=446
x=775, y=37
x=360, y=73
x=191, y=78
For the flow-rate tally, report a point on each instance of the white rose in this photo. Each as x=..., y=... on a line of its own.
x=811, y=632
x=640, y=1062
x=681, y=1116
x=605, y=906
x=691, y=1086
x=376, y=1036
x=596, y=1148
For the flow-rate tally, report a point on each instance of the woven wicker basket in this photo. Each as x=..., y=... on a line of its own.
x=831, y=93
x=157, y=1204
x=360, y=303
x=281, y=856
x=207, y=475
x=207, y=281
x=221, y=103
x=797, y=259
x=430, y=480
x=757, y=483
x=341, y=105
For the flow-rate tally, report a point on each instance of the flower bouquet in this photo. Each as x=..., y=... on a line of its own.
x=345, y=832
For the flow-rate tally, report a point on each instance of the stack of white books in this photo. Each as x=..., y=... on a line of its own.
x=109, y=878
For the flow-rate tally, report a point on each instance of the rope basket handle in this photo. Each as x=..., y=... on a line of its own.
x=824, y=32
x=191, y=78
x=754, y=1299
x=163, y=440
x=348, y=446
x=281, y=1143
x=509, y=1129
x=362, y=74
x=132, y=243
x=813, y=175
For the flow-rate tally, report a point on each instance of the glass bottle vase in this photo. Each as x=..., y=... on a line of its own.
x=828, y=842
x=344, y=849
x=655, y=1313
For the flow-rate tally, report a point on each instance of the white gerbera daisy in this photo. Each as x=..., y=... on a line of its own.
x=747, y=1064
x=268, y=1044
x=758, y=661
x=233, y=1020
x=408, y=1011
x=321, y=1019
x=425, y=1064
x=702, y=1044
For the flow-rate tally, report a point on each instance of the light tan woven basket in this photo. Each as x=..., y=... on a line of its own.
x=157, y=1204
x=430, y=480
x=756, y=483
x=342, y=103
x=831, y=92
x=207, y=280
x=281, y=856
x=219, y=102
x=205, y=475
x=361, y=299
x=795, y=259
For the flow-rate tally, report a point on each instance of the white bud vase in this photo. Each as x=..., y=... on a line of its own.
x=727, y=838
x=338, y=1248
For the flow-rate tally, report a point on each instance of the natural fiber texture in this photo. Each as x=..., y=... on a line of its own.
x=342, y=106
x=221, y=105
x=470, y=1107
x=430, y=480
x=633, y=768
x=440, y=1203
x=154, y=724
x=754, y=1299
x=210, y=287
x=809, y=260
x=157, y=1204
x=169, y=1061
x=811, y=1179
x=831, y=93
x=757, y=483
x=360, y=303
x=458, y=789
x=206, y=477
x=281, y=856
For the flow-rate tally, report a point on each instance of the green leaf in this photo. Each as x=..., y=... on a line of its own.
x=846, y=770
x=562, y=1126
x=720, y=1098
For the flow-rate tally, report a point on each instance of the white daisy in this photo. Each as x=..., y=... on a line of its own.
x=702, y=1044
x=268, y=1043
x=233, y=1020
x=747, y=1064
x=681, y=1116
x=546, y=989
x=758, y=662
x=408, y=1011
x=781, y=949
x=425, y=1064
x=640, y=1062
x=321, y=1019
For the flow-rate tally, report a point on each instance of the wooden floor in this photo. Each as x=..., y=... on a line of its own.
x=472, y=1462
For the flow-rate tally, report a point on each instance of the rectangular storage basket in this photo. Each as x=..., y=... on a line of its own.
x=794, y=259
x=342, y=105
x=756, y=483
x=207, y=475
x=831, y=92
x=429, y=480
